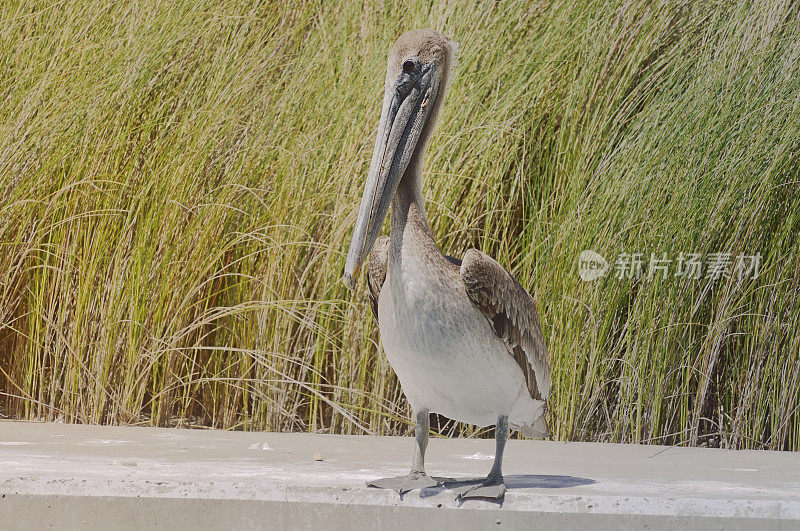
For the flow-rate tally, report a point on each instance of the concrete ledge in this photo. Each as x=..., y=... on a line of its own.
x=93, y=477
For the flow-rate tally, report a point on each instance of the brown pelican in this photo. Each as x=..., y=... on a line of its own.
x=463, y=337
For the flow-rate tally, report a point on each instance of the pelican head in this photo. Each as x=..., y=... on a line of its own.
x=417, y=73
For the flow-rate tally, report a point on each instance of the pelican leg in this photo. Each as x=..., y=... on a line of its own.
x=492, y=487
x=417, y=478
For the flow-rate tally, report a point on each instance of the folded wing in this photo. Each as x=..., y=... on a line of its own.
x=376, y=272
x=512, y=313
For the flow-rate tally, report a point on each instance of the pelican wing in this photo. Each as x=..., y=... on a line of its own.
x=512, y=313
x=376, y=273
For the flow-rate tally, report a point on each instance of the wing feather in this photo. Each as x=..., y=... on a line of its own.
x=512, y=313
x=376, y=272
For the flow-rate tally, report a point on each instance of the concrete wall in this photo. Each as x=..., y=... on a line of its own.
x=90, y=477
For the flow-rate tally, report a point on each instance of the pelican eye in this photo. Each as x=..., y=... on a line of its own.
x=409, y=66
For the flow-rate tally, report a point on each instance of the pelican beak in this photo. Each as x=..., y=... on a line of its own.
x=407, y=103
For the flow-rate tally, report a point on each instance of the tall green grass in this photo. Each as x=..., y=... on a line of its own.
x=178, y=182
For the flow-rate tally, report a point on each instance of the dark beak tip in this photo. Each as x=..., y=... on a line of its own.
x=348, y=281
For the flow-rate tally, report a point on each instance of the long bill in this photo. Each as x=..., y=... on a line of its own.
x=407, y=103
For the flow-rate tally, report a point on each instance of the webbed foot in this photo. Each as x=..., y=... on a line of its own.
x=492, y=488
x=403, y=484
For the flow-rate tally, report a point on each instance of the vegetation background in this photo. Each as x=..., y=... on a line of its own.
x=178, y=183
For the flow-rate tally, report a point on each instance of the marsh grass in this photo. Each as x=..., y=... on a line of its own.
x=178, y=181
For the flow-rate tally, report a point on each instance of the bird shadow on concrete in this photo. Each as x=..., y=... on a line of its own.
x=544, y=481
x=514, y=482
